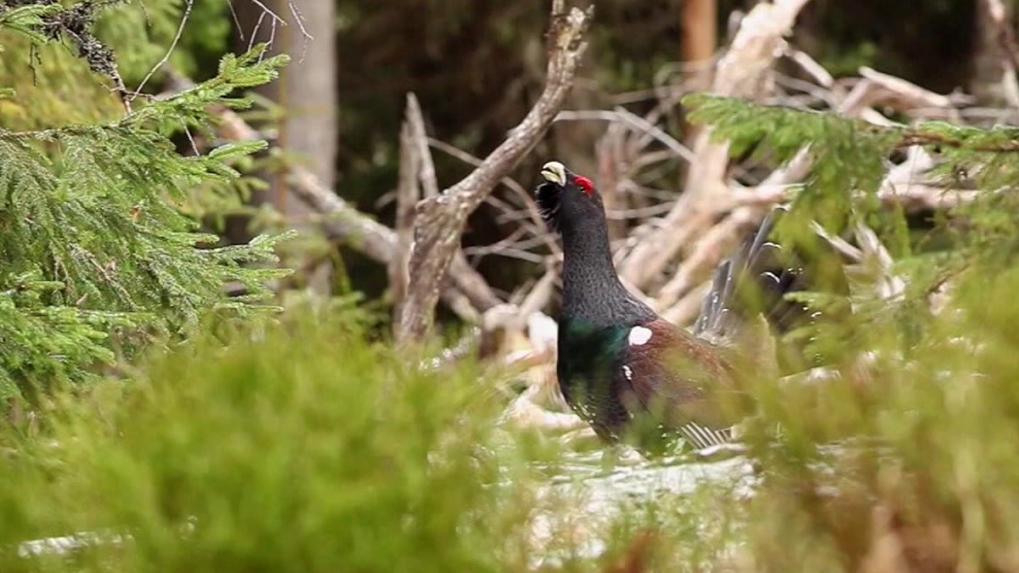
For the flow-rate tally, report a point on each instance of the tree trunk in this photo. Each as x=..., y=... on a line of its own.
x=994, y=71
x=307, y=92
x=308, y=87
x=698, y=22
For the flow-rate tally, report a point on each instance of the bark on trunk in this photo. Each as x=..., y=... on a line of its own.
x=309, y=96
x=698, y=23
x=304, y=29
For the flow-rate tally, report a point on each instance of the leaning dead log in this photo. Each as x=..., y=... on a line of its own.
x=439, y=221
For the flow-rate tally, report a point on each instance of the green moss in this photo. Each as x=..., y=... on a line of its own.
x=52, y=87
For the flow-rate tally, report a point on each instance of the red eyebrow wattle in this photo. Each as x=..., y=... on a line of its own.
x=584, y=183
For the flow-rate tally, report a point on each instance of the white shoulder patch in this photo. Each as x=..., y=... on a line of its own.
x=639, y=335
x=628, y=372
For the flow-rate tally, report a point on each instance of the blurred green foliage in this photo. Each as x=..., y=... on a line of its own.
x=300, y=447
x=53, y=86
x=906, y=461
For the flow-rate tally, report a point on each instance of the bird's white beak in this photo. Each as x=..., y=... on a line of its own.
x=554, y=172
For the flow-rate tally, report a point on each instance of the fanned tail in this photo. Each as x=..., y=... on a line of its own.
x=755, y=281
x=701, y=437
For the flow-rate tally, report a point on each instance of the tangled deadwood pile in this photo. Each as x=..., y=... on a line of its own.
x=668, y=242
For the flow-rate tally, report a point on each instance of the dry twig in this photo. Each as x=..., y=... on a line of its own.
x=419, y=137
x=407, y=195
x=536, y=226
x=878, y=88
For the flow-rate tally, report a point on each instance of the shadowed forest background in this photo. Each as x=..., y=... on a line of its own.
x=275, y=293
x=457, y=56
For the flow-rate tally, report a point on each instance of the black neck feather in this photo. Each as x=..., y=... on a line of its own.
x=592, y=291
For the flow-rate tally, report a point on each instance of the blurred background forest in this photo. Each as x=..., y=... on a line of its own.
x=476, y=68
x=172, y=398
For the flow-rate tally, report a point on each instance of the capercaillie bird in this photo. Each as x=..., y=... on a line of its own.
x=632, y=375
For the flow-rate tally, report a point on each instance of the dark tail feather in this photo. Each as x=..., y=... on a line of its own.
x=720, y=314
x=713, y=319
x=757, y=278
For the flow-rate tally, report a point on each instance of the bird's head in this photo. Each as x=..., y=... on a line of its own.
x=566, y=197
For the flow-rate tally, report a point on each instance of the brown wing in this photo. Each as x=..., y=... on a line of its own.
x=673, y=374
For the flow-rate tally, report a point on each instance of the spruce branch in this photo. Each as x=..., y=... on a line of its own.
x=75, y=23
x=786, y=128
x=96, y=240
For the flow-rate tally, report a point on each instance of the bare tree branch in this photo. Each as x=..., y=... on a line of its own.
x=408, y=193
x=721, y=238
x=878, y=88
x=420, y=139
x=538, y=225
x=718, y=242
x=632, y=120
x=440, y=220
x=611, y=171
x=687, y=308
x=889, y=285
x=344, y=222
x=188, y=5
x=378, y=241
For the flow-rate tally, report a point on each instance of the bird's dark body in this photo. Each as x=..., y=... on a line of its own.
x=590, y=357
x=629, y=373
x=638, y=393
